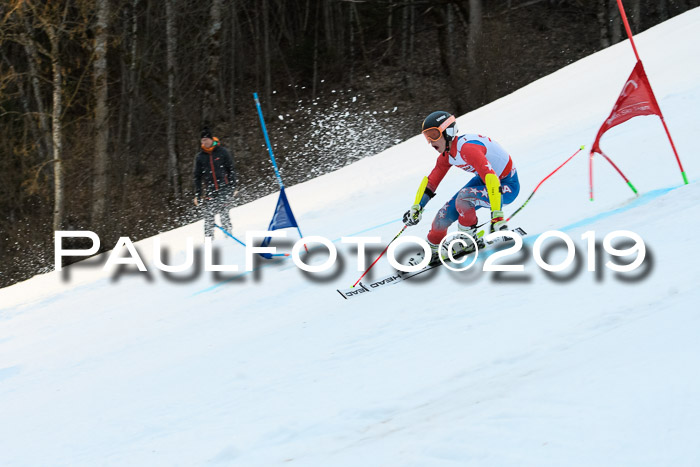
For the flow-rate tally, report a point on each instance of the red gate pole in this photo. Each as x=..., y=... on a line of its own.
x=663, y=121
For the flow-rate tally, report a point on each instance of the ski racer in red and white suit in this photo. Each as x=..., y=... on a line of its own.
x=495, y=182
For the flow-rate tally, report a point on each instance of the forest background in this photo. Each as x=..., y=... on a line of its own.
x=102, y=101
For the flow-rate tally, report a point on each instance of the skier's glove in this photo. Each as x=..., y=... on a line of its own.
x=413, y=215
x=497, y=221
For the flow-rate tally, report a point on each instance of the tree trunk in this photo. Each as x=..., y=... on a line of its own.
x=412, y=34
x=233, y=68
x=35, y=134
x=99, y=190
x=636, y=16
x=57, y=131
x=390, y=29
x=361, y=35
x=132, y=86
x=615, y=22
x=455, y=74
x=315, y=64
x=476, y=71
x=663, y=10
x=602, y=15
x=211, y=105
x=171, y=39
x=351, y=40
x=266, y=53
x=442, y=17
x=33, y=61
x=328, y=24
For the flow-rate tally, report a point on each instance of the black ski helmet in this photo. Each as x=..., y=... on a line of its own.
x=438, y=119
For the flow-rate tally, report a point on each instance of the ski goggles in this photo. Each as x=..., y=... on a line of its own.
x=435, y=133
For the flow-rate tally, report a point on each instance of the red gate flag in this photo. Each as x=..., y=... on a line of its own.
x=635, y=99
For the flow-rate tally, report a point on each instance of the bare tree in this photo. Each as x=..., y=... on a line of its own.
x=35, y=77
x=614, y=22
x=314, y=79
x=49, y=18
x=36, y=134
x=602, y=16
x=266, y=52
x=211, y=109
x=356, y=17
x=610, y=22
x=171, y=39
x=99, y=190
x=474, y=40
x=390, y=29
x=450, y=60
x=58, y=209
x=636, y=15
x=233, y=40
x=663, y=10
x=407, y=32
x=132, y=88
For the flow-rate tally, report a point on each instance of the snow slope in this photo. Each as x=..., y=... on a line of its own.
x=273, y=367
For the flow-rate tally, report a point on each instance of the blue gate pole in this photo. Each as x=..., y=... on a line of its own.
x=269, y=148
x=267, y=140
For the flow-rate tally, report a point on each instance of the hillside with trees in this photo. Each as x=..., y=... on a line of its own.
x=102, y=101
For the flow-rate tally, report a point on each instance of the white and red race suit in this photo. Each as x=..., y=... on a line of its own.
x=479, y=155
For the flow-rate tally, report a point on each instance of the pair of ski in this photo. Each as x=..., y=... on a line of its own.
x=400, y=276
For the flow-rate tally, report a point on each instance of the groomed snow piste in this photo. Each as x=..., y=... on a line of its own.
x=274, y=367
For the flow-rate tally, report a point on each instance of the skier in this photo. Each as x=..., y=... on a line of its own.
x=495, y=182
x=214, y=181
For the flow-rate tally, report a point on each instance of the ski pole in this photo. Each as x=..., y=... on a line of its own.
x=382, y=254
x=419, y=195
x=543, y=180
x=228, y=233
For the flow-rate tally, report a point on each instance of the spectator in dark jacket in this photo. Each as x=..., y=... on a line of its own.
x=214, y=182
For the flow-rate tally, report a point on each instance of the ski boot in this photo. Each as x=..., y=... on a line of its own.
x=466, y=246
